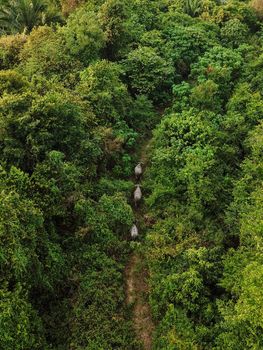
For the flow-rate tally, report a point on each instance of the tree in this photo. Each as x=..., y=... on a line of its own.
x=222, y=66
x=20, y=326
x=18, y=237
x=234, y=33
x=23, y=15
x=44, y=54
x=69, y=6
x=118, y=213
x=83, y=35
x=186, y=42
x=101, y=85
x=12, y=82
x=58, y=182
x=10, y=47
x=206, y=96
x=241, y=324
x=193, y=7
x=79, y=101
x=120, y=25
x=44, y=123
x=148, y=73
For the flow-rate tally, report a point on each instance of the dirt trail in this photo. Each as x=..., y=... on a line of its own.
x=136, y=276
x=137, y=295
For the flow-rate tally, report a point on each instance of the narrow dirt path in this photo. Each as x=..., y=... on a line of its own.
x=137, y=296
x=136, y=275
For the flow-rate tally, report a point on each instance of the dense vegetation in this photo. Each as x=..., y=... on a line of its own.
x=81, y=85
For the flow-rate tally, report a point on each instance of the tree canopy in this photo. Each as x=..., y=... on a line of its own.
x=85, y=87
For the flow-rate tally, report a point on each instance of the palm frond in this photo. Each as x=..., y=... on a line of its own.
x=193, y=7
x=24, y=15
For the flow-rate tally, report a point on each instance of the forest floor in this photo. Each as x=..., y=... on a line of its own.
x=136, y=274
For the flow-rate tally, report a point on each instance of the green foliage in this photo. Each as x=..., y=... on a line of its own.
x=181, y=94
x=52, y=121
x=242, y=320
x=78, y=102
x=10, y=47
x=201, y=295
x=111, y=186
x=254, y=73
x=142, y=116
x=182, y=144
x=97, y=321
x=118, y=213
x=187, y=41
x=148, y=73
x=193, y=7
x=120, y=25
x=101, y=86
x=233, y=33
x=11, y=82
x=23, y=15
x=54, y=181
x=241, y=10
x=18, y=236
x=44, y=54
x=206, y=96
x=175, y=331
x=83, y=35
x=20, y=328
x=221, y=65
